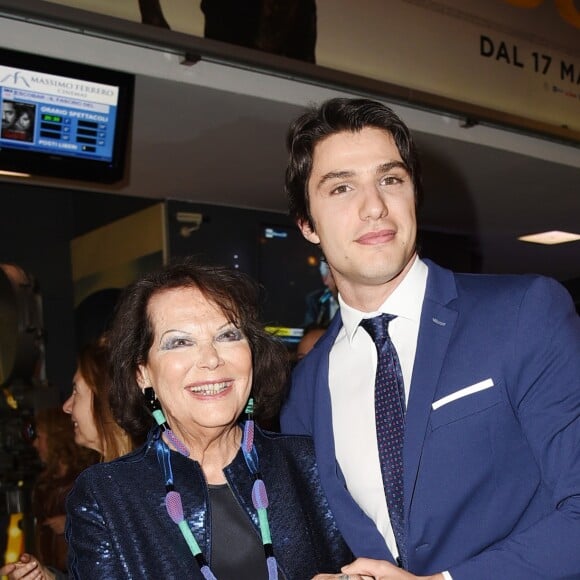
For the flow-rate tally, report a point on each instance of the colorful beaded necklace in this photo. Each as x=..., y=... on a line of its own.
x=173, y=502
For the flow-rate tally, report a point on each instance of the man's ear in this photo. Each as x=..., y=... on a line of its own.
x=308, y=232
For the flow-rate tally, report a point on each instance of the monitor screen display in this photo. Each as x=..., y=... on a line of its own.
x=289, y=272
x=63, y=119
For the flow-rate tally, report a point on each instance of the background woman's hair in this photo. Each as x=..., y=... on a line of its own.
x=62, y=451
x=93, y=365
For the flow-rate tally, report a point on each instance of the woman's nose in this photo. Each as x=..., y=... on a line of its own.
x=208, y=356
x=67, y=406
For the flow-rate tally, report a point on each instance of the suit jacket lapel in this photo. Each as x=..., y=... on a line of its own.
x=436, y=327
x=323, y=419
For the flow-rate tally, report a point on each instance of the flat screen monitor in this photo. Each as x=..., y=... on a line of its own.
x=288, y=271
x=63, y=119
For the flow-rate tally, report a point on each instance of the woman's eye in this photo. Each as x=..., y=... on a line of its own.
x=230, y=335
x=175, y=342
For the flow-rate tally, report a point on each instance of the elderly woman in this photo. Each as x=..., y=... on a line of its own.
x=209, y=495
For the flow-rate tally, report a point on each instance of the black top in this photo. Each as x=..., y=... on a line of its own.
x=237, y=551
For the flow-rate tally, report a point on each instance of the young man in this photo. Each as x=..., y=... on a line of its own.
x=488, y=370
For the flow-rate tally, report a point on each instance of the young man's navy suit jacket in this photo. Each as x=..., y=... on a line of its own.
x=492, y=473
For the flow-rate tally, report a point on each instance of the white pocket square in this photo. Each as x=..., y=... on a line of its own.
x=482, y=385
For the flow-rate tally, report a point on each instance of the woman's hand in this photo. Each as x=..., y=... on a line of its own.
x=27, y=568
x=367, y=569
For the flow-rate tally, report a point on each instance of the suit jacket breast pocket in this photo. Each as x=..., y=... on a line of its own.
x=465, y=406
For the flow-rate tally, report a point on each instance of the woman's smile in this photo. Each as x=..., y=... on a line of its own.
x=211, y=389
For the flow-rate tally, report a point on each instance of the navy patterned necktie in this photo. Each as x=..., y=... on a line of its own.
x=390, y=422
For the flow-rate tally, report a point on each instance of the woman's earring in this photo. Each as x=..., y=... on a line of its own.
x=155, y=408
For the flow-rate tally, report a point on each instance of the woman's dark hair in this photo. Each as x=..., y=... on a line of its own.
x=131, y=337
x=337, y=116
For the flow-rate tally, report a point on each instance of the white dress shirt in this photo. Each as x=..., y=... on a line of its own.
x=352, y=368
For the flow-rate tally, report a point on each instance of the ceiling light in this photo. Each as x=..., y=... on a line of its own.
x=13, y=173
x=550, y=238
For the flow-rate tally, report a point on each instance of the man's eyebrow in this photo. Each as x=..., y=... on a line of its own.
x=385, y=167
x=334, y=175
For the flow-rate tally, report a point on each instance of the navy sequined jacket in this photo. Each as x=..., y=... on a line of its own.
x=118, y=526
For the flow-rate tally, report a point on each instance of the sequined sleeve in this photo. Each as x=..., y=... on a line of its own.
x=91, y=549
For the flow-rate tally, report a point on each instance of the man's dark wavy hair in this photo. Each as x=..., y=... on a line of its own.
x=336, y=116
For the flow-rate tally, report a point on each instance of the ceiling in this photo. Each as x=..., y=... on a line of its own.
x=215, y=134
